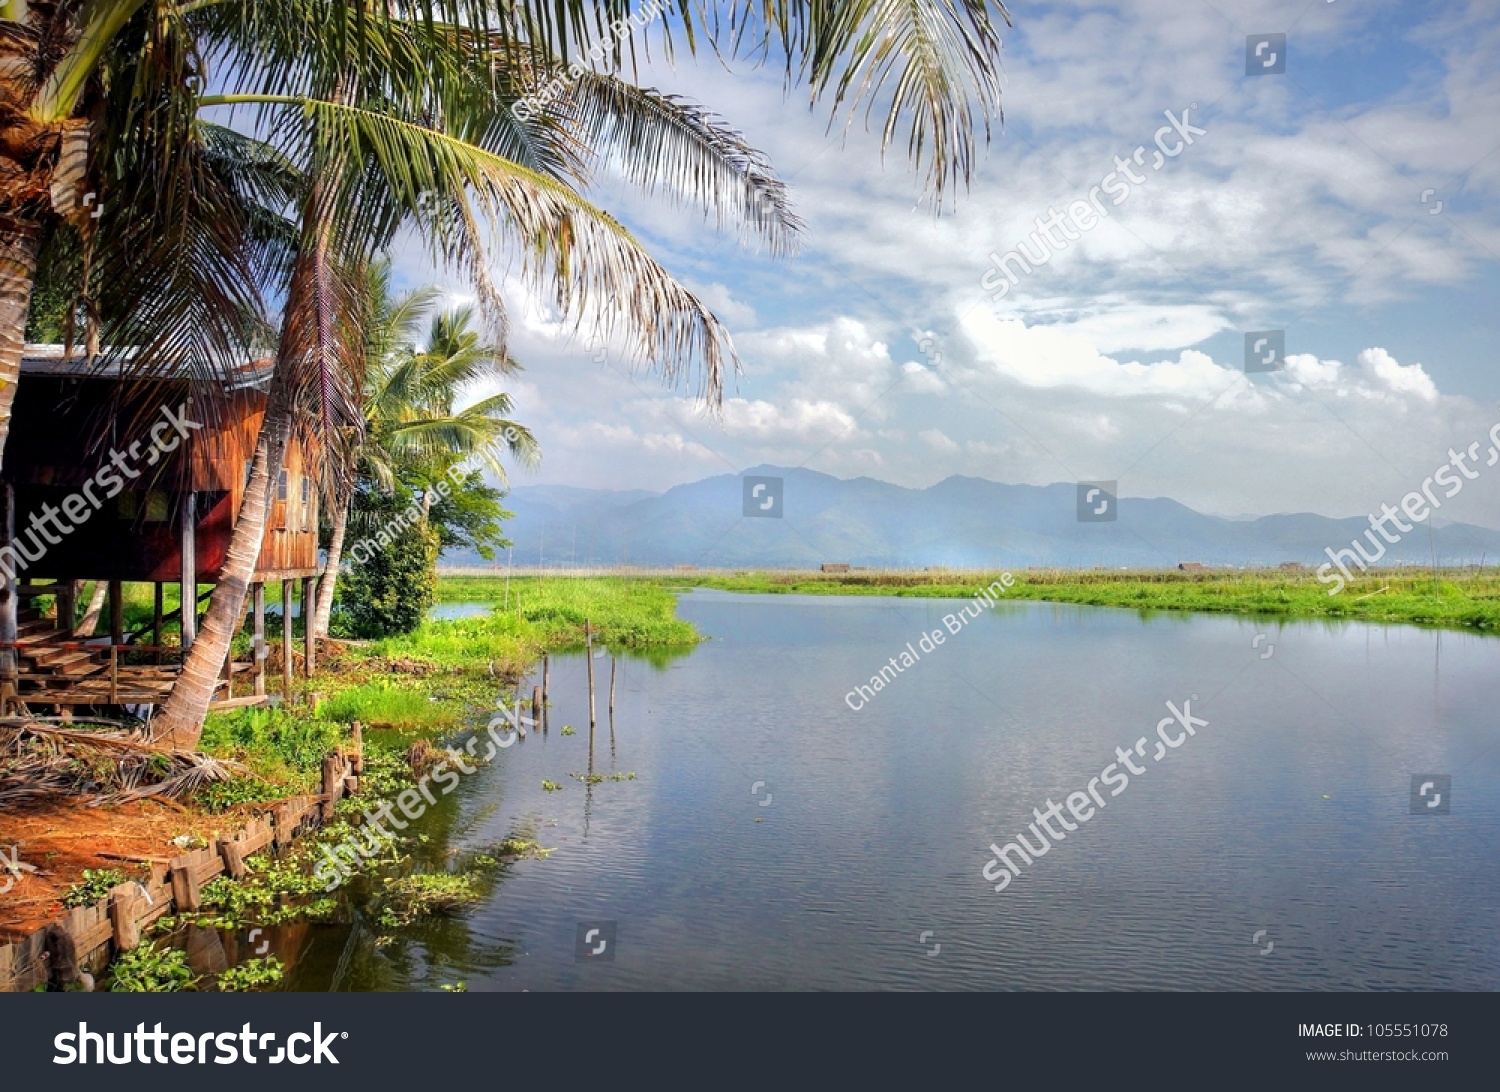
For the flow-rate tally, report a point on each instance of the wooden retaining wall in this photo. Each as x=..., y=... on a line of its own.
x=90, y=936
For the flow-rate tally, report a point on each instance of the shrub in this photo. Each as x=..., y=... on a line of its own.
x=389, y=589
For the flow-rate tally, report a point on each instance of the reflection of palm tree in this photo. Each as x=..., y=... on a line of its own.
x=412, y=433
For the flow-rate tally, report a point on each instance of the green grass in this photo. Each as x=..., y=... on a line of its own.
x=1459, y=599
x=546, y=615
x=381, y=703
x=283, y=750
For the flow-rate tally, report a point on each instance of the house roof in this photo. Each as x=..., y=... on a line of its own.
x=53, y=360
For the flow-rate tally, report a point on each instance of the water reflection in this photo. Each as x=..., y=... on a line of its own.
x=1289, y=813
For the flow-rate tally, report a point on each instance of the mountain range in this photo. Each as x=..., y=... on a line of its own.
x=960, y=522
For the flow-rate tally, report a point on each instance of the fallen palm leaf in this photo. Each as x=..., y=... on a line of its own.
x=39, y=761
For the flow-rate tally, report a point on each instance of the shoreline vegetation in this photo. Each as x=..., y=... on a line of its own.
x=1450, y=598
x=419, y=697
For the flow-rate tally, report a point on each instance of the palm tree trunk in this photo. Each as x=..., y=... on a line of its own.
x=91, y=615
x=331, y=574
x=19, y=242
x=181, y=719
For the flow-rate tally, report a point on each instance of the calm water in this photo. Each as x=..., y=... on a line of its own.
x=776, y=839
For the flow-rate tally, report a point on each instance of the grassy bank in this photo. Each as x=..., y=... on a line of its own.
x=1460, y=599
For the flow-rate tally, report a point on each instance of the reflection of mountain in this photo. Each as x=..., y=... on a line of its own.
x=959, y=521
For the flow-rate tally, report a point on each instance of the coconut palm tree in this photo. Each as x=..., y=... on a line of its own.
x=413, y=433
x=407, y=121
x=429, y=156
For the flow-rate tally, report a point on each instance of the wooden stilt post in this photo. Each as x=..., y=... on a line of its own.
x=67, y=606
x=258, y=594
x=613, y=664
x=286, y=642
x=546, y=688
x=309, y=608
x=156, y=617
x=588, y=643
x=116, y=612
x=536, y=706
x=588, y=640
x=189, y=581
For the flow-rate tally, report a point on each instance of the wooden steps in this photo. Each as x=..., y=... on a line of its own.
x=72, y=664
x=39, y=637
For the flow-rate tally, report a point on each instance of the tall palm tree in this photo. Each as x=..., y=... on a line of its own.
x=424, y=146
x=407, y=121
x=413, y=433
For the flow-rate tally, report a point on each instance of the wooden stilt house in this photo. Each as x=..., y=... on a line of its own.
x=137, y=482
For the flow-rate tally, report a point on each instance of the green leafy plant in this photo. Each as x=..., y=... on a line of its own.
x=407, y=899
x=151, y=970
x=250, y=975
x=551, y=786
x=95, y=885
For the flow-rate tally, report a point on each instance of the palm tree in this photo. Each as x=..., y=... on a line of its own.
x=394, y=159
x=412, y=432
x=407, y=121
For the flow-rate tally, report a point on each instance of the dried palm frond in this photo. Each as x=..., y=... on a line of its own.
x=39, y=761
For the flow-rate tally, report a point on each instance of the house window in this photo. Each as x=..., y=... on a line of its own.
x=306, y=503
x=156, y=507
x=281, y=487
x=128, y=506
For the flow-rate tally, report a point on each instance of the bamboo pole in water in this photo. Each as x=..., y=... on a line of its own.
x=588, y=643
x=546, y=687
x=536, y=706
x=613, y=663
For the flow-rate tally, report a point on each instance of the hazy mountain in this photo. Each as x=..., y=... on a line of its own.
x=961, y=522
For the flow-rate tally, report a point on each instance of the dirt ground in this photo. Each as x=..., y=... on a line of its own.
x=59, y=839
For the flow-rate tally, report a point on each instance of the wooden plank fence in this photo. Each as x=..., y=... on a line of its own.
x=85, y=936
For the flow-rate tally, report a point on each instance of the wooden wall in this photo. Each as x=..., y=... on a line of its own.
x=64, y=430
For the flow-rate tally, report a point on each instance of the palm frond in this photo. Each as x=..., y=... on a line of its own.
x=664, y=142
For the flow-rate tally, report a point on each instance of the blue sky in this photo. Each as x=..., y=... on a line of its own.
x=876, y=351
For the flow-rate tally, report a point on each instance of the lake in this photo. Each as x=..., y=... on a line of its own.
x=776, y=838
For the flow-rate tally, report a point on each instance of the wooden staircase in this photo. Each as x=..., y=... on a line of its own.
x=44, y=658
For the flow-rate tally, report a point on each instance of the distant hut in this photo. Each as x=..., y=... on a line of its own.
x=1192, y=567
x=834, y=567
x=140, y=490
